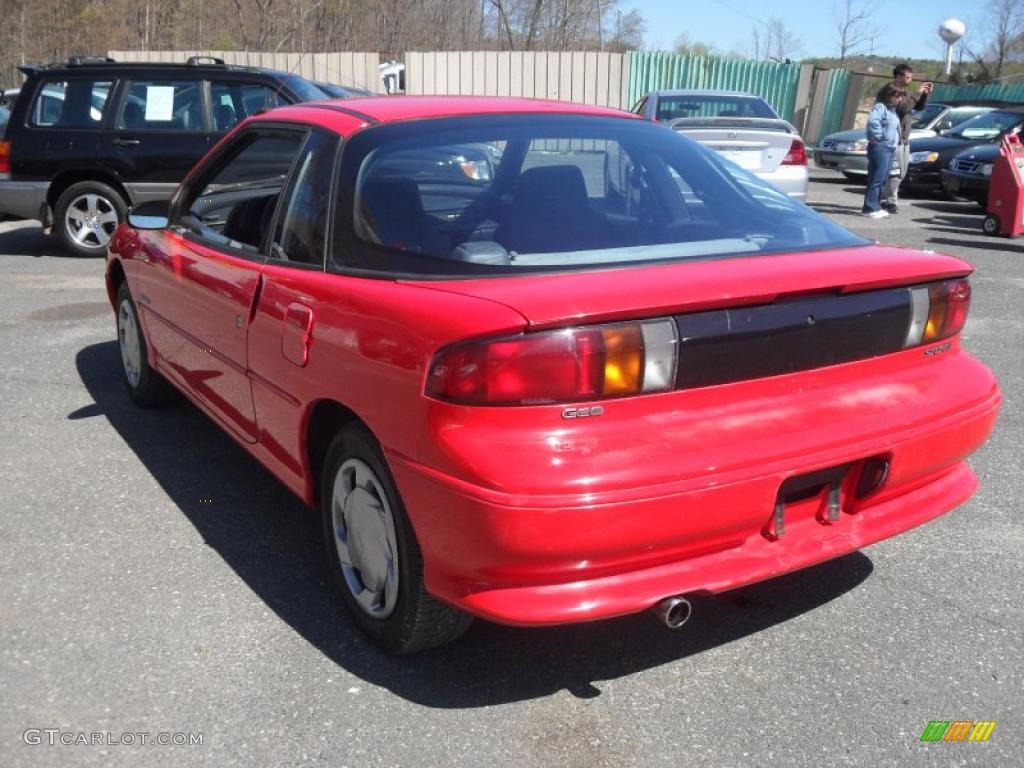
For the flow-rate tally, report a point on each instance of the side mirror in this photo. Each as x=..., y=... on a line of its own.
x=154, y=214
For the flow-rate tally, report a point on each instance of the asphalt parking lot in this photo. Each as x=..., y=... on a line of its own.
x=156, y=580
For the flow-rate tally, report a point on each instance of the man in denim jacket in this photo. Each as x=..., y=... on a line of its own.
x=883, y=133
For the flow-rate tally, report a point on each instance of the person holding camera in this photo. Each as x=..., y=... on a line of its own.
x=902, y=76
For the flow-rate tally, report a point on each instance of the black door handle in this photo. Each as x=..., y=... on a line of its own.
x=127, y=142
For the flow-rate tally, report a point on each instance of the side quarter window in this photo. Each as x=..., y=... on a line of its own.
x=232, y=202
x=234, y=101
x=301, y=232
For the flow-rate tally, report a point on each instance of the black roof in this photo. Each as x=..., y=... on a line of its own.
x=98, y=63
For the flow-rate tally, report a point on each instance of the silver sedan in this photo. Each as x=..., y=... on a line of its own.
x=741, y=127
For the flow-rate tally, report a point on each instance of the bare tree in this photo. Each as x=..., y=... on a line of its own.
x=853, y=23
x=688, y=47
x=780, y=43
x=1006, y=40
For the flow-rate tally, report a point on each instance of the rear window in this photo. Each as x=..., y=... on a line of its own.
x=78, y=103
x=698, y=106
x=512, y=193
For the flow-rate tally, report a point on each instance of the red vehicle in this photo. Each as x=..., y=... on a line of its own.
x=590, y=371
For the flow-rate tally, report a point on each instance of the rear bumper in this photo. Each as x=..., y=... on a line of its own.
x=23, y=199
x=791, y=179
x=551, y=558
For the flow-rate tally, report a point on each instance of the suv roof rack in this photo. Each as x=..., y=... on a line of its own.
x=82, y=61
x=195, y=61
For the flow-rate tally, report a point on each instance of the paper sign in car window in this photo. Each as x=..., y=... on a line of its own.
x=159, y=102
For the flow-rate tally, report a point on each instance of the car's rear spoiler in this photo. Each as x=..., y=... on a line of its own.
x=758, y=123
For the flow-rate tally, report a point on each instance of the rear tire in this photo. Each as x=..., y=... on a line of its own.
x=991, y=225
x=860, y=178
x=86, y=215
x=145, y=386
x=373, y=554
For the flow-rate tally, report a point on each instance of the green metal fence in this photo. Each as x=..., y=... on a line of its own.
x=773, y=82
x=1008, y=92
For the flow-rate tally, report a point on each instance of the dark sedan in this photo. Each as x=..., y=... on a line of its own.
x=970, y=173
x=929, y=156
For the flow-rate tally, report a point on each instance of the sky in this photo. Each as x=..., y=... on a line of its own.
x=908, y=28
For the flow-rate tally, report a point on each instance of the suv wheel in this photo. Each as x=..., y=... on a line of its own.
x=87, y=215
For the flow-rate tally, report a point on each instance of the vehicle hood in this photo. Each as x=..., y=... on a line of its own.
x=942, y=143
x=553, y=300
x=986, y=153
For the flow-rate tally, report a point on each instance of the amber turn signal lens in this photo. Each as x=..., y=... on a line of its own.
x=623, y=359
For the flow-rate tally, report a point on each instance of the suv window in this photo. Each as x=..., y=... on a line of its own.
x=233, y=204
x=78, y=103
x=233, y=102
x=162, y=105
x=302, y=224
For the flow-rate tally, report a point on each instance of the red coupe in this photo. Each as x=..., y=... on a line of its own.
x=541, y=363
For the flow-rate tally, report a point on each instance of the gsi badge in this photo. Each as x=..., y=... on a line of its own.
x=582, y=413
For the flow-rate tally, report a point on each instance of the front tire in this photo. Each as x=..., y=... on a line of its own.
x=373, y=554
x=145, y=386
x=86, y=215
x=991, y=225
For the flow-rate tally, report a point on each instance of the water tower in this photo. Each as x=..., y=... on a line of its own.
x=951, y=30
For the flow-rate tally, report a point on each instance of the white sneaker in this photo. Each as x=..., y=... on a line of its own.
x=879, y=214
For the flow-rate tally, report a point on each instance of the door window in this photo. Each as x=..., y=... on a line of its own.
x=162, y=105
x=233, y=102
x=233, y=204
x=302, y=224
x=78, y=103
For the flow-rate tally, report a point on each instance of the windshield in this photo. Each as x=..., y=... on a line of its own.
x=921, y=118
x=698, y=105
x=304, y=89
x=988, y=126
x=502, y=193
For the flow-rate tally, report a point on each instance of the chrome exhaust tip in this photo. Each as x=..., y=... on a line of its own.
x=673, y=611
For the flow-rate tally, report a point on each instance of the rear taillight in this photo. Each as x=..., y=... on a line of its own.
x=939, y=311
x=5, y=158
x=568, y=365
x=797, y=154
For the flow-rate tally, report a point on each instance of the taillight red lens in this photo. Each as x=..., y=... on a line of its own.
x=797, y=154
x=949, y=303
x=557, y=366
x=5, y=157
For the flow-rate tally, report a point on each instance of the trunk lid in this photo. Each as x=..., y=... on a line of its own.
x=602, y=295
x=756, y=144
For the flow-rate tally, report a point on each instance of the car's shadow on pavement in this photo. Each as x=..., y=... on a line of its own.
x=835, y=208
x=985, y=243
x=30, y=240
x=272, y=542
x=949, y=206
